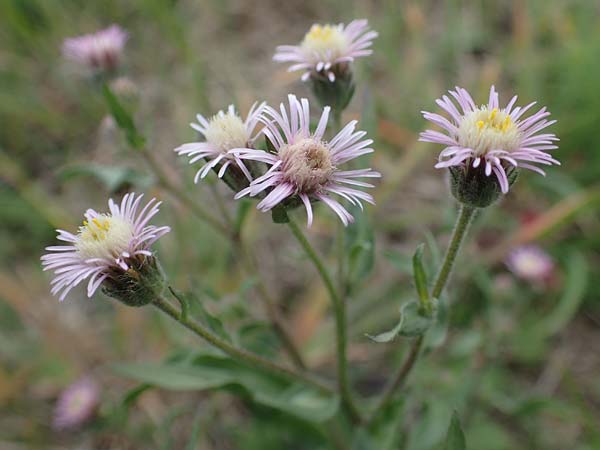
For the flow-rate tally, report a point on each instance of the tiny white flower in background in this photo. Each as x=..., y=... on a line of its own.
x=489, y=136
x=106, y=244
x=102, y=50
x=530, y=263
x=222, y=132
x=305, y=165
x=77, y=404
x=326, y=46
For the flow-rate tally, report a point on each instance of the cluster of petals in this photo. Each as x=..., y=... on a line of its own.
x=126, y=235
x=305, y=165
x=503, y=137
x=101, y=50
x=341, y=44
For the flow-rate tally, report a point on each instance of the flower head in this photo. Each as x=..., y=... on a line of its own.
x=101, y=50
x=223, y=132
x=305, y=165
x=106, y=245
x=530, y=263
x=327, y=49
x=489, y=138
x=77, y=404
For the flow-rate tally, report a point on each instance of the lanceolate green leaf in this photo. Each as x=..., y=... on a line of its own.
x=419, y=275
x=207, y=372
x=455, y=439
x=123, y=118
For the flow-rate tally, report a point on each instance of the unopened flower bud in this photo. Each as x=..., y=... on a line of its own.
x=337, y=93
x=472, y=187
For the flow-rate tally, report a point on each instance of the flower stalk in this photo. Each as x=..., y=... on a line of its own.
x=235, y=352
x=339, y=308
x=398, y=380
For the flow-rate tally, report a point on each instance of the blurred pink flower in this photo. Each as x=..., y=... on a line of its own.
x=77, y=404
x=102, y=50
x=305, y=165
x=105, y=245
x=491, y=137
x=325, y=46
x=223, y=132
x=530, y=263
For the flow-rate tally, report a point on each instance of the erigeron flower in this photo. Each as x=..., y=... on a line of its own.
x=307, y=166
x=490, y=138
x=102, y=50
x=106, y=246
x=77, y=404
x=222, y=133
x=531, y=263
x=327, y=49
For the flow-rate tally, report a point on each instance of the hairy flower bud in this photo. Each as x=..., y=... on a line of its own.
x=137, y=286
x=472, y=187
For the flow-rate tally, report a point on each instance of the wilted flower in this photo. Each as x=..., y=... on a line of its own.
x=327, y=49
x=101, y=50
x=530, y=263
x=107, y=246
x=77, y=404
x=223, y=132
x=489, y=139
x=305, y=165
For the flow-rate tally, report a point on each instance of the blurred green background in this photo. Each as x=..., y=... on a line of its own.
x=520, y=362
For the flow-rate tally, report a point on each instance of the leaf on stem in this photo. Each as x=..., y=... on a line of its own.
x=455, y=439
x=412, y=323
x=123, y=118
x=207, y=372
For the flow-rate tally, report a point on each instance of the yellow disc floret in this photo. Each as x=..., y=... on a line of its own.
x=226, y=131
x=104, y=236
x=483, y=130
x=325, y=40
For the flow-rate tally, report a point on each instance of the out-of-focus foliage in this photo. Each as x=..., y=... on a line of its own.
x=517, y=361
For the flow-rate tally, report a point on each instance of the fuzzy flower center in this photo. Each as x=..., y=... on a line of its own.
x=104, y=237
x=483, y=130
x=227, y=131
x=325, y=40
x=307, y=164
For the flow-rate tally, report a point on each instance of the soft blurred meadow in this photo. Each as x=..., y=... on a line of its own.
x=519, y=360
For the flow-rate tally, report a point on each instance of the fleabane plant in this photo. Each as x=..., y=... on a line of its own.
x=99, y=51
x=328, y=49
x=304, y=165
x=111, y=249
x=222, y=133
x=486, y=140
x=325, y=56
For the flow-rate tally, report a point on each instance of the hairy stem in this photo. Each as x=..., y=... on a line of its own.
x=460, y=229
x=236, y=352
x=340, y=323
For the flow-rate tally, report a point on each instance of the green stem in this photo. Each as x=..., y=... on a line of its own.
x=236, y=352
x=277, y=321
x=180, y=195
x=460, y=229
x=340, y=322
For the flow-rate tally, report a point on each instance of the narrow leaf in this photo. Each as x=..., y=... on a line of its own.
x=419, y=275
x=455, y=439
x=123, y=118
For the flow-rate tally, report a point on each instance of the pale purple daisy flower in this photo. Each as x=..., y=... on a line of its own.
x=325, y=47
x=77, y=404
x=531, y=263
x=491, y=137
x=223, y=132
x=305, y=165
x=105, y=246
x=101, y=50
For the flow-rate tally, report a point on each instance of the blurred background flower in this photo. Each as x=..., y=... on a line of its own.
x=77, y=404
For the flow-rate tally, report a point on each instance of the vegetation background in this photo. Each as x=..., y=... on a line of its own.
x=520, y=362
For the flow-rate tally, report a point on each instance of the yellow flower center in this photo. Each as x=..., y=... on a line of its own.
x=104, y=236
x=226, y=131
x=325, y=40
x=483, y=130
